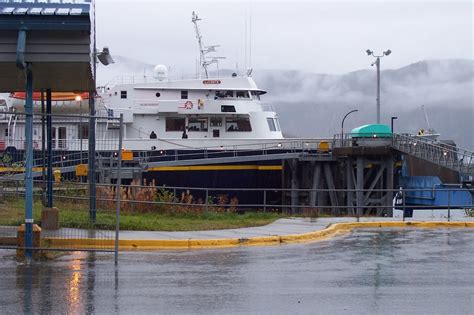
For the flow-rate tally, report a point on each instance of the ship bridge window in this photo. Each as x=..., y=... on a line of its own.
x=228, y=109
x=243, y=94
x=123, y=94
x=197, y=124
x=175, y=124
x=277, y=124
x=216, y=121
x=219, y=94
x=224, y=94
x=255, y=95
x=271, y=124
x=238, y=124
x=184, y=95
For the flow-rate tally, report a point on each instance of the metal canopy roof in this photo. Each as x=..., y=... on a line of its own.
x=45, y=15
x=59, y=37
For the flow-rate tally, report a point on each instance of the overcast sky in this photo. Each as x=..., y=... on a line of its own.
x=323, y=37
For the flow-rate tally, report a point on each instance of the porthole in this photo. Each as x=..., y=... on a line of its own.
x=158, y=94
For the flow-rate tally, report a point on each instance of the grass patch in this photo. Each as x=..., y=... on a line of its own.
x=77, y=216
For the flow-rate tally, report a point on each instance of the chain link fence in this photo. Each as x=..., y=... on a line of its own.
x=70, y=224
x=77, y=232
x=79, y=226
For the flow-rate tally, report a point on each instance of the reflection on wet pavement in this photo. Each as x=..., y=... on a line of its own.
x=367, y=271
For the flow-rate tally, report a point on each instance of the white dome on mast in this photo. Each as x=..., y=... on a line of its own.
x=160, y=72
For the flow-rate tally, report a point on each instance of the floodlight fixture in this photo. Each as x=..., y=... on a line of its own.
x=369, y=52
x=104, y=57
x=387, y=52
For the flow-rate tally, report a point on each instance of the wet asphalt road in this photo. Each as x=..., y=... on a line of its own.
x=368, y=271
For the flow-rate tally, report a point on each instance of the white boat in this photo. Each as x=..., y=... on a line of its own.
x=161, y=114
x=430, y=133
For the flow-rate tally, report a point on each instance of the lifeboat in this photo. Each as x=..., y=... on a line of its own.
x=56, y=96
x=62, y=102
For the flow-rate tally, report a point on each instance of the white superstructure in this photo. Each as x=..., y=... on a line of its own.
x=211, y=110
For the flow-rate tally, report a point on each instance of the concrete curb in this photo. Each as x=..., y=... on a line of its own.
x=331, y=230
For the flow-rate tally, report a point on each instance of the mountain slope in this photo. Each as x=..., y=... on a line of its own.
x=314, y=104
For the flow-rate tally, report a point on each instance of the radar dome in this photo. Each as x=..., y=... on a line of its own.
x=160, y=72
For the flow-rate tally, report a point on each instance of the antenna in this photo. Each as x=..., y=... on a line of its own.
x=426, y=116
x=248, y=42
x=203, y=50
x=250, y=38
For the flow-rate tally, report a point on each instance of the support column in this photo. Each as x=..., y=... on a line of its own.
x=390, y=194
x=91, y=159
x=43, y=150
x=360, y=186
x=29, y=164
x=316, y=184
x=294, y=185
x=332, y=189
x=350, y=186
x=49, y=136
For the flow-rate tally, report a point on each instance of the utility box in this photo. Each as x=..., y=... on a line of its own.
x=323, y=146
x=127, y=155
x=82, y=170
x=50, y=218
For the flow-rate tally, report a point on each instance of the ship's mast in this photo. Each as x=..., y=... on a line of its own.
x=202, y=56
x=426, y=117
x=203, y=50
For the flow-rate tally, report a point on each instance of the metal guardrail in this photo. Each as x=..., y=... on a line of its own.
x=445, y=155
x=277, y=149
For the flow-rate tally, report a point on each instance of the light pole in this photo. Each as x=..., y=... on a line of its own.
x=78, y=99
x=342, y=125
x=105, y=58
x=377, y=63
x=391, y=122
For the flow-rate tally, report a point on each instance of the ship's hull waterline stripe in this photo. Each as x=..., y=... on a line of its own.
x=216, y=168
x=175, y=168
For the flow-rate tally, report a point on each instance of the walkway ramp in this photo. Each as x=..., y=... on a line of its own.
x=438, y=153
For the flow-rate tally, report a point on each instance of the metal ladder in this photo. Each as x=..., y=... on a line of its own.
x=439, y=153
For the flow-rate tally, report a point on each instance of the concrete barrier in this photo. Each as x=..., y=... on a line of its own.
x=20, y=252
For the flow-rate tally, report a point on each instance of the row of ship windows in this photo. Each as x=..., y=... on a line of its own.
x=82, y=131
x=217, y=95
x=202, y=124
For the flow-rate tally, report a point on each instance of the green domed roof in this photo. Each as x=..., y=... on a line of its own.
x=373, y=130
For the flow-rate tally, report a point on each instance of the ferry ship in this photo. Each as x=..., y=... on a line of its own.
x=163, y=117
